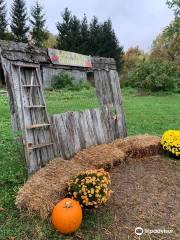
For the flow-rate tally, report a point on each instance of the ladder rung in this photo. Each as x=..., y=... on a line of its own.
x=31, y=147
x=38, y=125
x=28, y=85
x=35, y=106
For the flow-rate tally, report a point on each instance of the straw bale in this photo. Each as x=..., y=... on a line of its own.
x=100, y=156
x=139, y=146
x=47, y=186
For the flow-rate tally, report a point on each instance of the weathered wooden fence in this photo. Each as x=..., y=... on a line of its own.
x=77, y=130
x=109, y=94
x=48, y=74
x=46, y=137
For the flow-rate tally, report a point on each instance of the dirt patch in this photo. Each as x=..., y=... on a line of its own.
x=146, y=194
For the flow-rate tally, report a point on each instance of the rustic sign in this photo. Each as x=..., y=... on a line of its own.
x=61, y=57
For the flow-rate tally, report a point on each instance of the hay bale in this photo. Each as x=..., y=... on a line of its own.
x=139, y=146
x=47, y=186
x=101, y=156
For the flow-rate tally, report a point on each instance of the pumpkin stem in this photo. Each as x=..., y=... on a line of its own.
x=68, y=205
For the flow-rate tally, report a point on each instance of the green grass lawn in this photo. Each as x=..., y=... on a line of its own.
x=144, y=114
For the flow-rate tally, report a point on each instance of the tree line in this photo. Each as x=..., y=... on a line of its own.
x=94, y=38
x=159, y=69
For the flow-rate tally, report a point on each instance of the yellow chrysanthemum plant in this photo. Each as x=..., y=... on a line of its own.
x=91, y=188
x=171, y=142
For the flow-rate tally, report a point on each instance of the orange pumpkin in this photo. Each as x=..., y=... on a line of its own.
x=67, y=216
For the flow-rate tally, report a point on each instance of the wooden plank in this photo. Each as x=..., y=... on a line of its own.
x=97, y=125
x=21, y=64
x=40, y=146
x=35, y=106
x=120, y=117
x=30, y=85
x=38, y=125
x=75, y=131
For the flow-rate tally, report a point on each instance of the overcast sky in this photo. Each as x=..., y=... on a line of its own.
x=136, y=22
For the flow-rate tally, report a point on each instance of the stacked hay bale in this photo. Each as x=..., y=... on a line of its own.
x=47, y=186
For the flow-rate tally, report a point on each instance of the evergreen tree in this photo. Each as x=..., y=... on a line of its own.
x=3, y=21
x=110, y=44
x=95, y=37
x=85, y=36
x=39, y=32
x=104, y=43
x=75, y=35
x=64, y=31
x=18, y=20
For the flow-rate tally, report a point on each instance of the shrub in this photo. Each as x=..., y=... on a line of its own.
x=66, y=81
x=62, y=80
x=90, y=188
x=154, y=75
x=171, y=142
x=80, y=85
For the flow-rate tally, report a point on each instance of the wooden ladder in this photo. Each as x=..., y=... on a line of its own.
x=37, y=130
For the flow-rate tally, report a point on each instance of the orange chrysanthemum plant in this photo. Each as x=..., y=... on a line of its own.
x=91, y=188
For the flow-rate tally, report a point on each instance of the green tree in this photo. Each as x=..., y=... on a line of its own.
x=75, y=35
x=84, y=42
x=103, y=41
x=175, y=5
x=154, y=75
x=3, y=21
x=95, y=37
x=51, y=41
x=39, y=32
x=174, y=26
x=130, y=58
x=64, y=31
x=18, y=20
x=110, y=44
x=166, y=45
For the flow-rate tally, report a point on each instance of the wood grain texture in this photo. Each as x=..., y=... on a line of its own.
x=48, y=74
x=45, y=137
x=79, y=130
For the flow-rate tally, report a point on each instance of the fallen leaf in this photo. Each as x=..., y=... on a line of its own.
x=11, y=238
x=2, y=209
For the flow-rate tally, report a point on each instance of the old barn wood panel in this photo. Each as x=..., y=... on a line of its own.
x=79, y=130
x=27, y=69
x=108, y=93
x=29, y=112
x=27, y=53
x=48, y=73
